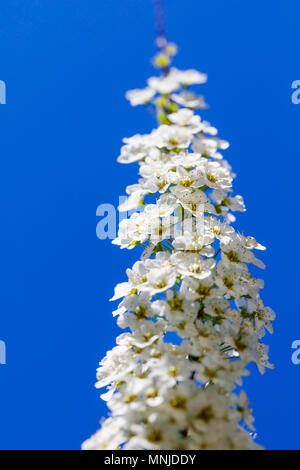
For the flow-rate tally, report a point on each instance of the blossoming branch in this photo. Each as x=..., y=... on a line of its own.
x=191, y=309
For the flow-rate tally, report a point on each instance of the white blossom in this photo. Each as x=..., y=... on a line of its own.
x=137, y=97
x=189, y=99
x=192, y=281
x=164, y=85
x=188, y=77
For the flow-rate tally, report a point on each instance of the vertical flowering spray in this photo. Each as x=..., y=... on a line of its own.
x=191, y=309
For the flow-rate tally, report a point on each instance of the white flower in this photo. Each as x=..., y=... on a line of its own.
x=186, y=117
x=121, y=290
x=159, y=280
x=164, y=207
x=188, y=77
x=194, y=289
x=164, y=85
x=136, y=148
x=192, y=241
x=235, y=250
x=190, y=264
x=108, y=437
x=189, y=99
x=233, y=279
x=214, y=175
x=226, y=202
x=137, y=97
x=208, y=146
x=194, y=202
x=217, y=228
x=171, y=137
x=135, y=229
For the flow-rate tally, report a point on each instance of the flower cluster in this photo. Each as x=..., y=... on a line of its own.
x=191, y=309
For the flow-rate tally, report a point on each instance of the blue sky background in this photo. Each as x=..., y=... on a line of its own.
x=67, y=65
